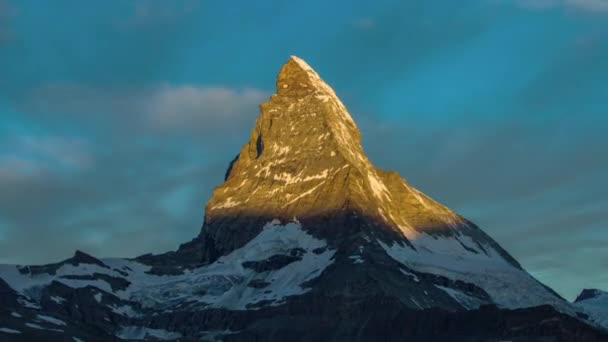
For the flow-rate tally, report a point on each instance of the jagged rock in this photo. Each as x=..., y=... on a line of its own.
x=8, y=296
x=78, y=258
x=589, y=294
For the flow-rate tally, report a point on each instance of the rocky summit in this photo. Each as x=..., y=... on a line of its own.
x=304, y=241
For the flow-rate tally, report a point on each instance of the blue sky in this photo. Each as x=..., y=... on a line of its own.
x=117, y=118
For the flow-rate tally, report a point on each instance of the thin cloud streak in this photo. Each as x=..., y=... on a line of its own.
x=594, y=6
x=191, y=107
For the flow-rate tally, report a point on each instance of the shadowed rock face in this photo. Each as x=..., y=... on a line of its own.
x=590, y=294
x=78, y=259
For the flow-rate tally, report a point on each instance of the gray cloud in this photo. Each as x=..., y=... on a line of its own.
x=365, y=23
x=104, y=207
x=597, y=6
x=164, y=107
x=7, y=13
x=150, y=13
x=141, y=165
x=184, y=106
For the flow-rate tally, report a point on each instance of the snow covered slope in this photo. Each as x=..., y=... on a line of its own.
x=268, y=269
x=595, y=304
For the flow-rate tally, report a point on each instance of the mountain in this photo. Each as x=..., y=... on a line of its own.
x=305, y=240
x=595, y=304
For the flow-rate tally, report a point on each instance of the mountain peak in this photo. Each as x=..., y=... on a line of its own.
x=303, y=138
x=590, y=294
x=297, y=78
x=304, y=159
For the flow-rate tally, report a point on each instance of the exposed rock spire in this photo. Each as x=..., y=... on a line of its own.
x=304, y=157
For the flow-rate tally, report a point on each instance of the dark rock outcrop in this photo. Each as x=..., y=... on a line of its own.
x=588, y=294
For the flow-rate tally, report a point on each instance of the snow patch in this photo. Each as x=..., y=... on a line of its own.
x=415, y=302
x=50, y=319
x=142, y=333
x=98, y=297
x=28, y=303
x=10, y=331
x=447, y=257
x=378, y=187
x=463, y=299
x=281, y=150
x=58, y=300
x=215, y=335
x=321, y=175
x=290, y=179
x=410, y=274
x=229, y=203
x=304, y=194
x=125, y=310
x=38, y=327
x=357, y=259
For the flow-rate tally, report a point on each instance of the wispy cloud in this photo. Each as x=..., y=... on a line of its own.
x=365, y=23
x=14, y=168
x=65, y=151
x=7, y=13
x=191, y=107
x=597, y=6
x=32, y=155
x=132, y=191
x=183, y=106
x=150, y=162
x=591, y=5
x=148, y=13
